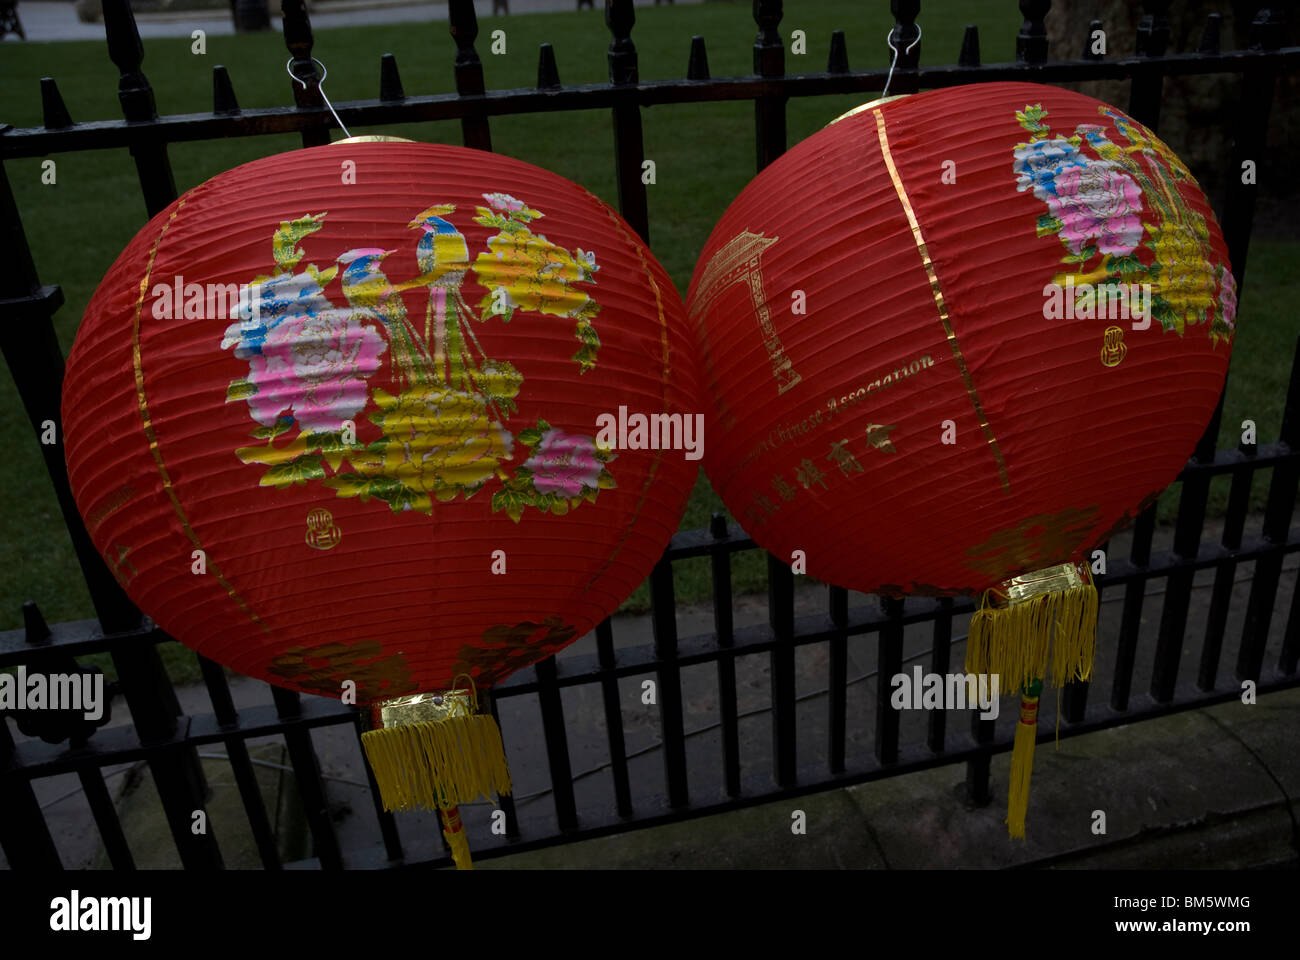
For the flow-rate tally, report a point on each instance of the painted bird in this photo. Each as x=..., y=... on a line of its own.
x=369, y=292
x=443, y=258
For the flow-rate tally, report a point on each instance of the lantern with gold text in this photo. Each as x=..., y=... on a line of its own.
x=952, y=342
x=331, y=418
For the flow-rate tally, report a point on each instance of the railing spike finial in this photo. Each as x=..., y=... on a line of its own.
x=1088, y=46
x=548, y=73
x=769, y=51
x=463, y=24
x=1210, y=35
x=838, y=59
x=53, y=110
x=127, y=53
x=34, y=625
x=1031, y=42
x=1153, y=29
x=970, y=47
x=390, y=81
x=1267, y=29
x=620, y=17
x=223, y=91
x=904, y=42
x=697, y=68
x=299, y=40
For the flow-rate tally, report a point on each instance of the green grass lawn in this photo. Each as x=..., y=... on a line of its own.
x=703, y=153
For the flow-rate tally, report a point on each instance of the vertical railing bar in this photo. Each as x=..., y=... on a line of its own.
x=1249, y=143
x=106, y=819
x=24, y=834
x=35, y=360
x=889, y=665
x=506, y=801
x=838, y=681
x=1224, y=573
x=1291, y=638
x=299, y=40
x=136, y=97
x=940, y=655
x=613, y=718
x=254, y=806
x=1031, y=41
x=663, y=623
x=387, y=822
x=463, y=23
x=629, y=138
x=557, y=745
x=1147, y=89
x=1131, y=617
x=223, y=708
x=176, y=770
x=311, y=788
x=769, y=62
x=723, y=625
x=1278, y=509
x=1192, y=502
x=780, y=599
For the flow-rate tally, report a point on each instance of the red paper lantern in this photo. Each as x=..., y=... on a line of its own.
x=381, y=467
x=951, y=343
x=891, y=390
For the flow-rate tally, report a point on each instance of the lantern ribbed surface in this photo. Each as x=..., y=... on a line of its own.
x=893, y=386
x=385, y=449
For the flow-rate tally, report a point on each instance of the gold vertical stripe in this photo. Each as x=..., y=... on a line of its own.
x=153, y=438
x=938, y=300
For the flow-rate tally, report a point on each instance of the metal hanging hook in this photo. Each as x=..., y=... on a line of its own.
x=320, y=85
x=889, y=39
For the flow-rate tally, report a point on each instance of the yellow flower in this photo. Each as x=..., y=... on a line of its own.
x=440, y=440
x=1186, y=277
x=535, y=273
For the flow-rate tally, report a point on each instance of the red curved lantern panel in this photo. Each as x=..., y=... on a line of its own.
x=958, y=336
x=332, y=415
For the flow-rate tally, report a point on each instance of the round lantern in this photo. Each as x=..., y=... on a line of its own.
x=952, y=342
x=332, y=419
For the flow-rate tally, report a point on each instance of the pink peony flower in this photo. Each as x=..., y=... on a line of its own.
x=1228, y=298
x=314, y=365
x=563, y=463
x=503, y=201
x=1097, y=201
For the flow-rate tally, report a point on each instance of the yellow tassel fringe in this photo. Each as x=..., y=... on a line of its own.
x=1022, y=766
x=438, y=764
x=1015, y=641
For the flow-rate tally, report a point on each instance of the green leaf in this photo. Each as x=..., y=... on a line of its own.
x=240, y=390
x=296, y=471
x=1087, y=254
x=511, y=501
x=529, y=437
x=1048, y=224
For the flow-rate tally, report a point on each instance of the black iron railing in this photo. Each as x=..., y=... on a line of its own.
x=168, y=740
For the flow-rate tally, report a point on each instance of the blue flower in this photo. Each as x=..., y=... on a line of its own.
x=1039, y=162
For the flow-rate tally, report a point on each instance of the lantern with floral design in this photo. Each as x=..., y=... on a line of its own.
x=332, y=414
x=953, y=341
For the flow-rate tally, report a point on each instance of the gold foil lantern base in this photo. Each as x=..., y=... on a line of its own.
x=1034, y=623
x=436, y=751
x=1025, y=626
